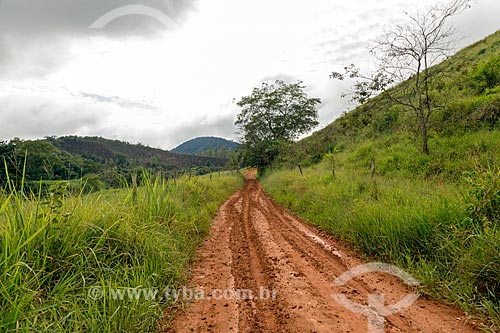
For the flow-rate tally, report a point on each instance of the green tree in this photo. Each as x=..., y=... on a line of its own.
x=273, y=116
x=6, y=157
x=407, y=53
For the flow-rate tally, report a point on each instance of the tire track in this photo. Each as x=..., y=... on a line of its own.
x=255, y=246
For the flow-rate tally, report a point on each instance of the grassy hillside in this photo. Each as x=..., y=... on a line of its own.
x=207, y=146
x=61, y=258
x=469, y=93
x=437, y=215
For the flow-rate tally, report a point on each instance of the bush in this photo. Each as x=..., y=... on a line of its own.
x=483, y=199
x=487, y=76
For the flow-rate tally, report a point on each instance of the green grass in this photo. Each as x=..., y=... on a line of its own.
x=465, y=98
x=53, y=250
x=437, y=216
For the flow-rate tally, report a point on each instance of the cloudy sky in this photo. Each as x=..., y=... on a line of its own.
x=163, y=71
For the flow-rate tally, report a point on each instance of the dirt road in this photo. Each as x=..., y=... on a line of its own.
x=264, y=270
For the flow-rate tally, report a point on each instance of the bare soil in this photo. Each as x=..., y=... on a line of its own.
x=289, y=268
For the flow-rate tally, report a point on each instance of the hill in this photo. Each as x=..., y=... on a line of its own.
x=110, y=161
x=138, y=154
x=365, y=180
x=470, y=93
x=207, y=146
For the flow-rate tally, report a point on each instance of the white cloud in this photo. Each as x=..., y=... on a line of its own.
x=163, y=87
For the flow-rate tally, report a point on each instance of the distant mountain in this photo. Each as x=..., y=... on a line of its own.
x=207, y=146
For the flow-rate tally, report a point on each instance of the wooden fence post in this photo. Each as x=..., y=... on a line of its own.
x=373, y=180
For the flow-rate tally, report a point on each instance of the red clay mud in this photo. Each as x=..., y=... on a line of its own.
x=289, y=266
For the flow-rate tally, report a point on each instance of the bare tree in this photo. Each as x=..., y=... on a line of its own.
x=407, y=53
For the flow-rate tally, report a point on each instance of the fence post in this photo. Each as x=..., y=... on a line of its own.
x=333, y=166
x=373, y=180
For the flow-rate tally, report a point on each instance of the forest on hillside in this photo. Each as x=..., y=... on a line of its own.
x=92, y=162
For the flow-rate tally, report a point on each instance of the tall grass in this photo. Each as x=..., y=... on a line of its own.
x=53, y=250
x=442, y=229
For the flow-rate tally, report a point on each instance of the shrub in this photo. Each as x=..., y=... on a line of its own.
x=487, y=76
x=484, y=198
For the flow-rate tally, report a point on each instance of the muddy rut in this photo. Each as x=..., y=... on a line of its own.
x=264, y=270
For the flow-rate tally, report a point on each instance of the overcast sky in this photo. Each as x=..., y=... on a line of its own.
x=170, y=72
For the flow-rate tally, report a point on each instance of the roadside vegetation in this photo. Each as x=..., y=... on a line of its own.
x=365, y=179
x=54, y=249
x=443, y=230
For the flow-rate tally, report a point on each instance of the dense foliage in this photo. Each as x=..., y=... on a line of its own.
x=272, y=117
x=104, y=163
